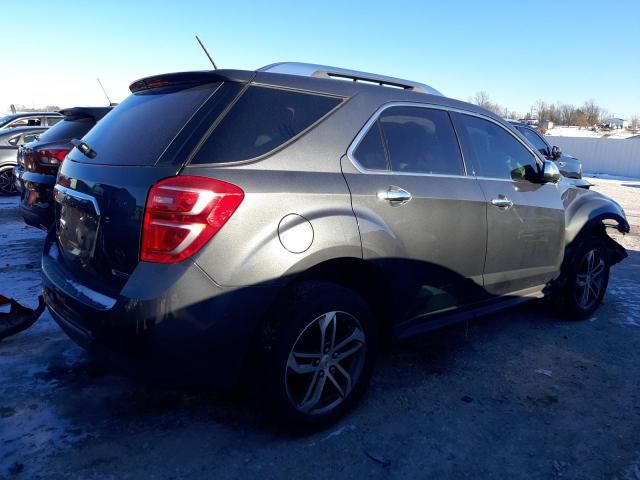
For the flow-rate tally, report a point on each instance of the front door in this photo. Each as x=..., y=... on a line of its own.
x=525, y=218
x=421, y=218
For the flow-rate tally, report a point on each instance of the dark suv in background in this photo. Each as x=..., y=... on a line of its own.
x=570, y=167
x=283, y=223
x=38, y=162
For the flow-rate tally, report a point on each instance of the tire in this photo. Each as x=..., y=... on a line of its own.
x=308, y=387
x=7, y=185
x=587, y=280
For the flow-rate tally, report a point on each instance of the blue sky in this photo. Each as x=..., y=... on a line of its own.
x=517, y=51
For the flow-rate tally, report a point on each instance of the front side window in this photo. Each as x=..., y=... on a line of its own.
x=535, y=140
x=496, y=153
x=421, y=140
x=262, y=120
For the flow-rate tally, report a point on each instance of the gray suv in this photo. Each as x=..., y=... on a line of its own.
x=283, y=224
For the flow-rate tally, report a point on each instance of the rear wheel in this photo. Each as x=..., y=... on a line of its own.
x=7, y=186
x=320, y=356
x=587, y=279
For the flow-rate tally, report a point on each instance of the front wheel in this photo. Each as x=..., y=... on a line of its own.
x=7, y=185
x=320, y=355
x=587, y=279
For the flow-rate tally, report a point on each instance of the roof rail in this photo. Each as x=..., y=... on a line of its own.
x=324, y=71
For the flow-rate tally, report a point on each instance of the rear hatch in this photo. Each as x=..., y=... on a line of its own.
x=101, y=193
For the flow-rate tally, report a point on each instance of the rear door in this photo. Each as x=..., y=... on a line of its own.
x=421, y=218
x=525, y=218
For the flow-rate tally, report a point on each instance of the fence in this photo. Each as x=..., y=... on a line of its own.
x=603, y=155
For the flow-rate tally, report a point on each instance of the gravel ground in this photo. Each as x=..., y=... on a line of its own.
x=520, y=394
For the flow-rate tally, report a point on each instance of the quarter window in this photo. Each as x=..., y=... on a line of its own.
x=262, y=120
x=421, y=140
x=497, y=153
x=370, y=152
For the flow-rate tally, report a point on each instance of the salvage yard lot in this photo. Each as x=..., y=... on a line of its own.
x=520, y=394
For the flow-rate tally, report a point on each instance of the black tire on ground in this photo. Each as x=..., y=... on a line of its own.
x=587, y=280
x=318, y=355
x=7, y=187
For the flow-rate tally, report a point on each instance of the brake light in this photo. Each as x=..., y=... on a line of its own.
x=52, y=156
x=182, y=214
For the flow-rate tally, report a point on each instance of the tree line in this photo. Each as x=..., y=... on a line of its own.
x=587, y=115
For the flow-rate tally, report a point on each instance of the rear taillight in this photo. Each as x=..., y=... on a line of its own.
x=52, y=156
x=182, y=214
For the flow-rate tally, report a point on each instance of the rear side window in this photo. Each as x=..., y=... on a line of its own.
x=262, y=120
x=68, y=129
x=30, y=137
x=421, y=140
x=137, y=131
x=370, y=152
x=51, y=121
x=497, y=153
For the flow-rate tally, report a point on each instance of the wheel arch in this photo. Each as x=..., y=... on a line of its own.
x=359, y=275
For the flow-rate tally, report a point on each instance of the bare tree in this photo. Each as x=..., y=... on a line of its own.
x=634, y=124
x=481, y=99
x=592, y=112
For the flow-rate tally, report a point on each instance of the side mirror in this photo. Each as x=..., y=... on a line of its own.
x=550, y=172
x=556, y=152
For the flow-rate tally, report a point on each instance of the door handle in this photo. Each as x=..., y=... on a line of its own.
x=395, y=195
x=502, y=202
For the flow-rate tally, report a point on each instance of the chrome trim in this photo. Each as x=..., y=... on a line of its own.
x=502, y=203
x=325, y=71
x=74, y=193
x=395, y=195
x=365, y=129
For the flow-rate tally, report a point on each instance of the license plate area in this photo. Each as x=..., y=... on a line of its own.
x=78, y=224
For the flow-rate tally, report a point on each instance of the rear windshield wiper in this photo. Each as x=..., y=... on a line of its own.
x=84, y=148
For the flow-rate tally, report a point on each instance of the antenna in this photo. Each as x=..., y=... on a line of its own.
x=207, y=53
x=105, y=92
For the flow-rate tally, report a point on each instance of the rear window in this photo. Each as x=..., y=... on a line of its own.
x=138, y=130
x=68, y=129
x=262, y=120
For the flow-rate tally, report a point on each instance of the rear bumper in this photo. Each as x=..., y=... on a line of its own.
x=169, y=321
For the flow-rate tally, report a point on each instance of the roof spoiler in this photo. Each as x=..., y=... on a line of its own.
x=189, y=79
x=92, y=112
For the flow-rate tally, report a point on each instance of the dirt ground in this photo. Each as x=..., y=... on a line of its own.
x=520, y=394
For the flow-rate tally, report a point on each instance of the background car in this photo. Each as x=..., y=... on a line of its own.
x=38, y=162
x=570, y=167
x=30, y=119
x=10, y=140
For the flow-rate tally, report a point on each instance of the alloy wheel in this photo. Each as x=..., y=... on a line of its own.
x=590, y=279
x=325, y=363
x=7, y=186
